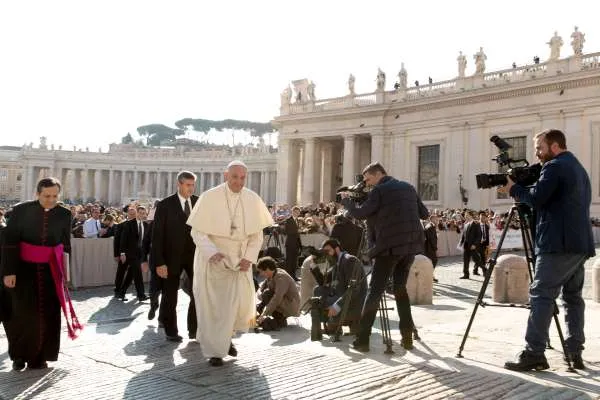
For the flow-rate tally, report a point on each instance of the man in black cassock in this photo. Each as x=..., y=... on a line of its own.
x=33, y=325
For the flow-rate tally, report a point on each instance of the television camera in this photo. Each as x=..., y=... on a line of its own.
x=358, y=192
x=518, y=170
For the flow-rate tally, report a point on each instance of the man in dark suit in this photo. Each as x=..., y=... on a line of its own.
x=470, y=241
x=121, y=267
x=172, y=252
x=133, y=254
x=484, y=227
x=348, y=234
x=561, y=198
x=292, y=242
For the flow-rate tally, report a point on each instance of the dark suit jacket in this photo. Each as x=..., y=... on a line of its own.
x=350, y=268
x=471, y=234
x=172, y=243
x=292, y=238
x=561, y=198
x=393, y=211
x=117, y=239
x=348, y=234
x=130, y=241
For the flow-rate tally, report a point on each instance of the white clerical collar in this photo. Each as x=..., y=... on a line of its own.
x=231, y=192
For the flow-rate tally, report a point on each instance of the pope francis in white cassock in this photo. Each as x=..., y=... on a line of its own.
x=227, y=226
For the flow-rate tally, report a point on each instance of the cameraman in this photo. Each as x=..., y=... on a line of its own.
x=393, y=211
x=561, y=198
x=346, y=268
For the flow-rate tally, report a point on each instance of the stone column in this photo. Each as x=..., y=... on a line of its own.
x=147, y=184
x=263, y=186
x=136, y=184
x=28, y=186
x=308, y=184
x=85, y=183
x=98, y=184
x=111, y=182
x=377, y=147
x=170, y=182
x=349, y=161
x=200, y=182
x=158, y=185
x=325, y=182
x=283, y=164
x=123, y=185
x=250, y=180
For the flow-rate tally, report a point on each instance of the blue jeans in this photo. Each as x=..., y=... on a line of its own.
x=553, y=272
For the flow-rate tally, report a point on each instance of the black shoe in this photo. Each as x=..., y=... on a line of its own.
x=576, y=360
x=435, y=280
x=176, y=338
x=38, y=365
x=475, y=273
x=232, y=350
x=407, y=341
x=192, y=335
x=464, y=277
x=143, y=298
x=527, y=361
x=122, y=297
x=215, y=361
x=152, y=311
x=18, y=364
x=360, y=346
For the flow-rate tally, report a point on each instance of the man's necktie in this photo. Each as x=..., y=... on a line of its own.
x=140, y=234
x=483, y=233
x=186, y=208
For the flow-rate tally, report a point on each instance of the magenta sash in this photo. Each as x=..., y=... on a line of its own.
x=54, y=256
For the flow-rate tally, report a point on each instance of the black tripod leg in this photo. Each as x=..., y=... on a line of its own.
x=486, y=280
x=385, y=325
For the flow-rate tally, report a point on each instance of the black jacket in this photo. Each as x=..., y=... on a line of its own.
x=348, y=234
x=431, y=244
x=292, y=234
x=130, y=241
x=172, y=243
x=471, y=234
x=394, y=209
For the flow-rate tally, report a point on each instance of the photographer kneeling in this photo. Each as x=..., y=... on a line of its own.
x=393, y=211
x=278, y=295
x=332, y=290
x=561, y=199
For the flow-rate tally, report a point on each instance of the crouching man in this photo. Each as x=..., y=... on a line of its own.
x=278, y=295
x=347, y=271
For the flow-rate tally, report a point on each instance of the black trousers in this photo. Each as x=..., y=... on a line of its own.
x=291, y=260
x=134, y=274
x=469, y=254
x=155, y=288
x=168, y=302
x=120, y=276
x=482, y=258
x=384, y=267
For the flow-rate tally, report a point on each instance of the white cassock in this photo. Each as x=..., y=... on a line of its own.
x=229, y=223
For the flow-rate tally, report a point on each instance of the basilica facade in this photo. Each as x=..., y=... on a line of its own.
x=437, y=135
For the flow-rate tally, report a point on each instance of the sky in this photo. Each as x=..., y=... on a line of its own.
x=85, y=73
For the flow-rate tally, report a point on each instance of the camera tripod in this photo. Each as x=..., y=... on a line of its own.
x=524, y=212
x=274, y=237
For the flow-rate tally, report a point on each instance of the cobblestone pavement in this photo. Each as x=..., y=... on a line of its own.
x=122, y=355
